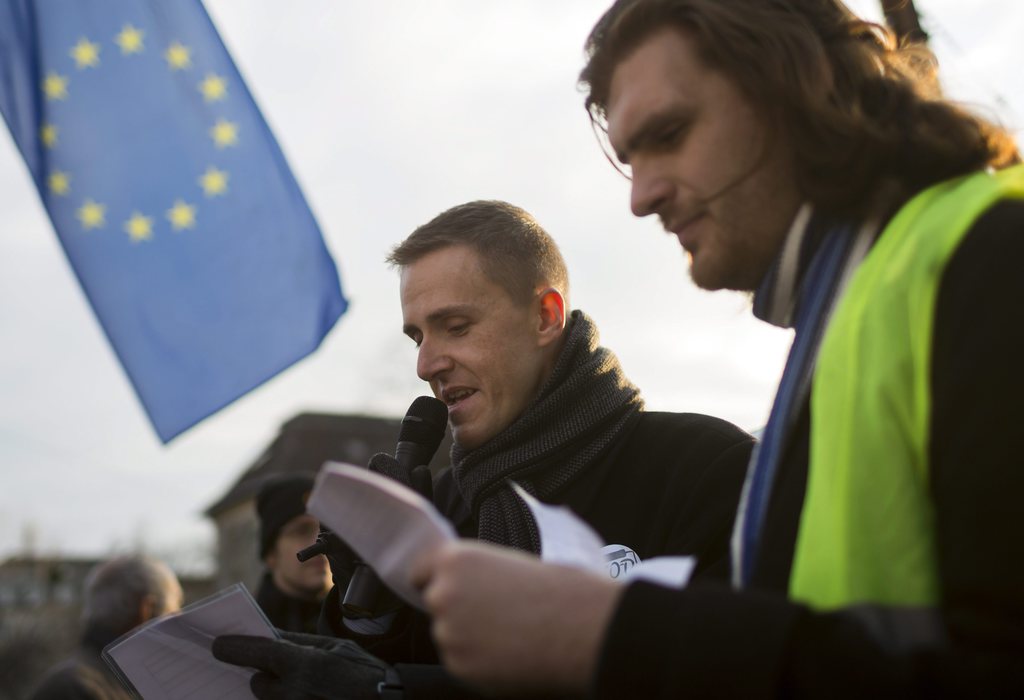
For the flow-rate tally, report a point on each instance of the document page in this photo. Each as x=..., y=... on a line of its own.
x=169, y=658
x=564, y=537
x=386, y=523
x=567, y=539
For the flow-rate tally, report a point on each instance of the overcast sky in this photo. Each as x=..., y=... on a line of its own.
x=390, y=112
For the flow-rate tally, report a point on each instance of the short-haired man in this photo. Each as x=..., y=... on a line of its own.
x=795, y=151
x=291, y=591
x=120, y=595
x=533, y=398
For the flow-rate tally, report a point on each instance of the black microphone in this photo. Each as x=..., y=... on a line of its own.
x=422, y=431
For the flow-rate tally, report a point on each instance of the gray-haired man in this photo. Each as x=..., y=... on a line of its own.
x=120, y=595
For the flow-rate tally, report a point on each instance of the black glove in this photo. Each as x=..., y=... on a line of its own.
x=418, y=479
x=304, y=666
x=340, y=557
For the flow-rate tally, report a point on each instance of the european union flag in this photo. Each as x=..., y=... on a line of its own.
x=172, y=199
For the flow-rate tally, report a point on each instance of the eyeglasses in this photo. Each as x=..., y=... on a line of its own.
x=600, y=130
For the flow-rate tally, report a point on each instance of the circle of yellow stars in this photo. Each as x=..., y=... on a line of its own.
x=224, y=134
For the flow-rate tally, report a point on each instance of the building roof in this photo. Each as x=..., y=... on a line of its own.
x=308, y=440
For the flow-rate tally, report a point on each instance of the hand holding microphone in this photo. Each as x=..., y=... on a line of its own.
x=422, y=431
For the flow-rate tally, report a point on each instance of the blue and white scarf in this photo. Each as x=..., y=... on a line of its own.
x=799, y=292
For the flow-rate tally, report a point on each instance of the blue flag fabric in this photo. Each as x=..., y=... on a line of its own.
x=170, y=196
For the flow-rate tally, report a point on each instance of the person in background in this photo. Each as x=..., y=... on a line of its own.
x=120, y=595
x=291, y=592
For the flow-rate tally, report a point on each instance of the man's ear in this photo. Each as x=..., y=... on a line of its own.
x=147, y=608
x=551, y=318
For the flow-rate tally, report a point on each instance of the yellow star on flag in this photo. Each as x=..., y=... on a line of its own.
x=178, y=56
x=129, y=39
x=139, y=227
x=86, y=54
x=213, y=88
x=55, y=86
x=181, y=215
x=59, y=182
x=48, y=135
x=91, y=214
x=224, y=133
x=214, y=182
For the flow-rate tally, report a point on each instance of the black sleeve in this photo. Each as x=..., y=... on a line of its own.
x=977, y=465
x=79, y=681
x=714, y=642
x=705, y=526
x=432, y=682
x=705, y=642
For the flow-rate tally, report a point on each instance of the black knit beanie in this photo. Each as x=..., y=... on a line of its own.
x=280, y=499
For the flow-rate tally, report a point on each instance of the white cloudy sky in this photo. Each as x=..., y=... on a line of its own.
x=389, y=112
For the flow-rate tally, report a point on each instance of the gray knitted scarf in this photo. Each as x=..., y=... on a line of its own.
x=581, y=409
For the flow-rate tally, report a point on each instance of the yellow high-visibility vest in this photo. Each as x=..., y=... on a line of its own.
x=867, y=529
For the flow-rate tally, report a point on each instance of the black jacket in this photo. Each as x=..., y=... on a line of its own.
x=86, y=676
x=710, y=641
x=285, y=612
x=669, y=486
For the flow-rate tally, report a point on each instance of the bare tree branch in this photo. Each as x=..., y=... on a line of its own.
x=902, y=18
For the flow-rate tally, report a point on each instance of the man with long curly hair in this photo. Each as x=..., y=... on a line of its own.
x=796, y=152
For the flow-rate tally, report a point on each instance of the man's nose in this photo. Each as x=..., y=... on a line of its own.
x=432, y=360
x=650, y=191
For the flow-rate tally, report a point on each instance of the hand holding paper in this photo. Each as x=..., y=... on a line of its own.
x=169, y=657
x=386, y=523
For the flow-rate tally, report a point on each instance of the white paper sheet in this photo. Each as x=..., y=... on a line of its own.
x=386, y=523
x=566, y=539
x=169, y=658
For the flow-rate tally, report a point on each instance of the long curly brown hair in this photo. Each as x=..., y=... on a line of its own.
x=862, y=114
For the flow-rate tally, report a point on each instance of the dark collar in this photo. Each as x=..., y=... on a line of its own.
x=778, y=298
x=97, y=636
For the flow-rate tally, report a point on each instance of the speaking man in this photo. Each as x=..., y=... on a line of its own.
x=532, y=398
x=796, y=152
